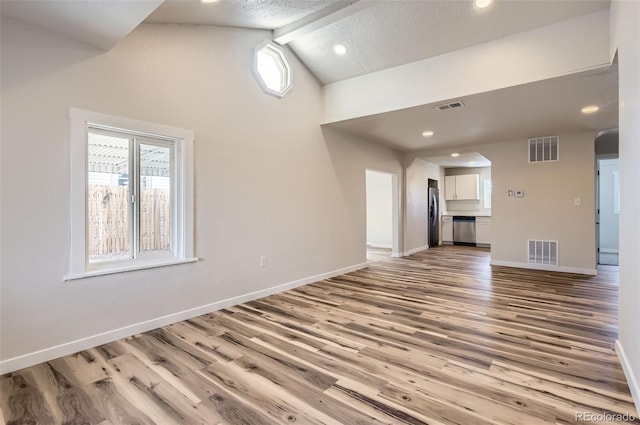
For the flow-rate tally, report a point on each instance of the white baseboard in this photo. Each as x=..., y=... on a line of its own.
x=71, y=347
x=414, y=250
x=634, y=385
x=379, y=245
x=609, y=251
x=561, y=269
x=397, y=254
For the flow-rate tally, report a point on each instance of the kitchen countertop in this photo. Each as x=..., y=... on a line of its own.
x=468, y=213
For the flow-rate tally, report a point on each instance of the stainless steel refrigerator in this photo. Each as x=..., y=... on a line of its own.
x=434, y=221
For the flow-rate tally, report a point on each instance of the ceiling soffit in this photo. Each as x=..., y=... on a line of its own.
x=520, y=112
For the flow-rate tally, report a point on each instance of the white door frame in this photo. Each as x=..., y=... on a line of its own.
x=598, y=195
x=395, y=205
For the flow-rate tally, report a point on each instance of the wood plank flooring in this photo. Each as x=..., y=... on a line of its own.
x=377, y=254
x=436, y=338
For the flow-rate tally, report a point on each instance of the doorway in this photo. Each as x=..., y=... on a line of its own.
x=608, y=210
x=382, y=215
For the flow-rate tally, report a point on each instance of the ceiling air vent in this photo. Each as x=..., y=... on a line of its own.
x=543, y=252
x=452, y=105
x=544, y=149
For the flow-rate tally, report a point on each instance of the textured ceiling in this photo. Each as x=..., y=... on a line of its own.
x=531, y=110
x=265, y=14
x=392, y=33
x=386, y=33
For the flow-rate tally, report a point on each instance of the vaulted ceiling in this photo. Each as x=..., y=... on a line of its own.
x=378, y=35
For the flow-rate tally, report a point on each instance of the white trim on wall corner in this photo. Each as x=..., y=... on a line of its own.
x=548, y=267
x=634, y=385
x=51, y=353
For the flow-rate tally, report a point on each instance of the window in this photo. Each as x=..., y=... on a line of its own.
x=272, y=69
x=487, y=194
x=131, y=195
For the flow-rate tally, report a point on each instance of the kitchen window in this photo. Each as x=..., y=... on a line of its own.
x=487, y=194
x=131, y=195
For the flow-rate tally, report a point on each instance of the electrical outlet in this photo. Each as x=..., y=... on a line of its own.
x=263, y=261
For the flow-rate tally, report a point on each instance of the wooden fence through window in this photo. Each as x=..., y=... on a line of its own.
x=108, y=220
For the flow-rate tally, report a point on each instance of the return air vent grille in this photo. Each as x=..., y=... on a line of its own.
x=452, y=105
x=543, y=252
x=544, y=149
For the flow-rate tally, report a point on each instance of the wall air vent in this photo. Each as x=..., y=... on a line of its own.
x=543, y=252
x=452, y=105
x=544, y=149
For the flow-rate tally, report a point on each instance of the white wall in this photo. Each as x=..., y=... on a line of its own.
x=268, y=181
x=379, y=209
x=625, y=37
x=418, y=172
x=608, y=228
x=547, y=210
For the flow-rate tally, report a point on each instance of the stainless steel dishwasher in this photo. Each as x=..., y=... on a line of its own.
x=464, y=230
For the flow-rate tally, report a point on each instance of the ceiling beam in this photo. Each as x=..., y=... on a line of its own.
x=327, y=16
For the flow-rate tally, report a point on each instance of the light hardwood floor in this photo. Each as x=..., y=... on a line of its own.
x=377, y=254
x=436, y=338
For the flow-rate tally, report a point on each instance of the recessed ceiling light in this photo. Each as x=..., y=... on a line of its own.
x=455, y=154
x=427, y=133
x=591, y=109
x=471, y=162
x=481, y=4
x=208, y=1
x=340, y=49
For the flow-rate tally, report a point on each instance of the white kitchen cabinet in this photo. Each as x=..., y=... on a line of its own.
x=450, y=188
x=467, y=186
x=483, y=231
x=447, y=230
x=463, y=187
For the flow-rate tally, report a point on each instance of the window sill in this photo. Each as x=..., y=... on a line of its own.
x=128, y=268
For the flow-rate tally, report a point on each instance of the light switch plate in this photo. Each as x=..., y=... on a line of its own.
x=519, y=194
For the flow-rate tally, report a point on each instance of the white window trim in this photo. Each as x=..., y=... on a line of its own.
x=80, y=121
x=487, y=193
x=279, y=51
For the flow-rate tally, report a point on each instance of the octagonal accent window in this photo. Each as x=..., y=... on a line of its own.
x=272, y=69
